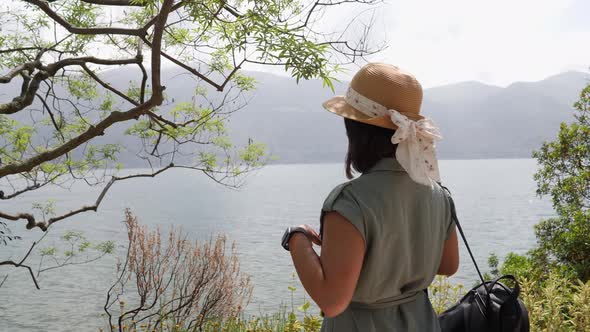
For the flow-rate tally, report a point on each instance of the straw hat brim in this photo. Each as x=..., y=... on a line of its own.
x=339, y=106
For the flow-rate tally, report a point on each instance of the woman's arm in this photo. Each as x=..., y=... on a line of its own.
x=331, y=279
x=449, y=262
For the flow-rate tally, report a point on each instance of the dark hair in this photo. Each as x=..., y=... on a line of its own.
x=367, y=144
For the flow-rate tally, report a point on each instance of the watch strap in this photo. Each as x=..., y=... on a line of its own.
x=289, y=232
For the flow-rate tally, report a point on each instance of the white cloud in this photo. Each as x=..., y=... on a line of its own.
x=497, y=42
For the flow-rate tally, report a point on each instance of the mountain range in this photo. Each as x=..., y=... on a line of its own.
x=476, y=120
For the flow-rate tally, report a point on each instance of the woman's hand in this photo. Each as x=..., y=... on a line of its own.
x=331, y=278
x=312, y=234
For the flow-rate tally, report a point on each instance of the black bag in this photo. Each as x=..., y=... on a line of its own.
x=489, y=307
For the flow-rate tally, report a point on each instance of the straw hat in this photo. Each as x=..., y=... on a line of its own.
x=386, y=96
x=376, y=88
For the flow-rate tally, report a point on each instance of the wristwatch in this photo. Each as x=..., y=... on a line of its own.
x=288, y=233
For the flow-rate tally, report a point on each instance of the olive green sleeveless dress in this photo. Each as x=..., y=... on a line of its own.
x=404, y=225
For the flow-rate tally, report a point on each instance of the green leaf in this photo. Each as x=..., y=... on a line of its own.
x=304, y=307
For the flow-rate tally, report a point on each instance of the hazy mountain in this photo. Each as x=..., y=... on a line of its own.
x=477, y=120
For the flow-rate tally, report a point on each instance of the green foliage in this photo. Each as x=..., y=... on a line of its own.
x=73, y=248
x=565, y=162
x=107, y=247
x=555, y=275
x=263, y=31
x=208, y=160
x=298, y=319
x=48, y=251
x=554, y=305
x=245, y=83
x=493, y=263
x=133, y=91
x=82, y=87
x=84, y=15
x=253, y=154
x=80, y=14
x=518, y=265
x=564, y=174
x=46, y=209
x=141, y=129
x=557, y=304
x=443, y=294
x=563, y=242
x=21, y=138
x=73, y=236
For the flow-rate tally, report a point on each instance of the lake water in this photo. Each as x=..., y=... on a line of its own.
x=495, y=199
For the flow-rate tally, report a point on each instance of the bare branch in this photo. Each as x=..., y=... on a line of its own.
x=35, y=186
x=108, y=86
x=44, y=225
x=52, y=117
x=20, y=264
x=162, y=119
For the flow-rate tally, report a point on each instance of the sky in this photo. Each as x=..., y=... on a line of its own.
x=495, y=42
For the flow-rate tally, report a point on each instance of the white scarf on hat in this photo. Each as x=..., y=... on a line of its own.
x=415, y=139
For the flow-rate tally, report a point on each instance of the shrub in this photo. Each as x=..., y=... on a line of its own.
x=172, y=284
x=557, y=304
x=443, y=294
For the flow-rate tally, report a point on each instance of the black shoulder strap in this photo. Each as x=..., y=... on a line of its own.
x=456, y=220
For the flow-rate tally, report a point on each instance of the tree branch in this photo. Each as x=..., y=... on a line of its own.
x=20, y=264
x=44, y=6
x=35, y=186
x=44, y=225
x=159, y=25
x=29, y=66
x=186, y=67
x=103, y=194
x=112, y=3
x=27, y=95
x=108, y=86
x=90, y=133
x=28, y=92
x=19, y=49
x=29, y=217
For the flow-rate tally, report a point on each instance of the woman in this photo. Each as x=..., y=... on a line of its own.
x=386, y=234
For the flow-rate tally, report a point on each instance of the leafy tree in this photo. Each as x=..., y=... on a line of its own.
x=565, y=176
x=563, y=242
x=63, y=55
